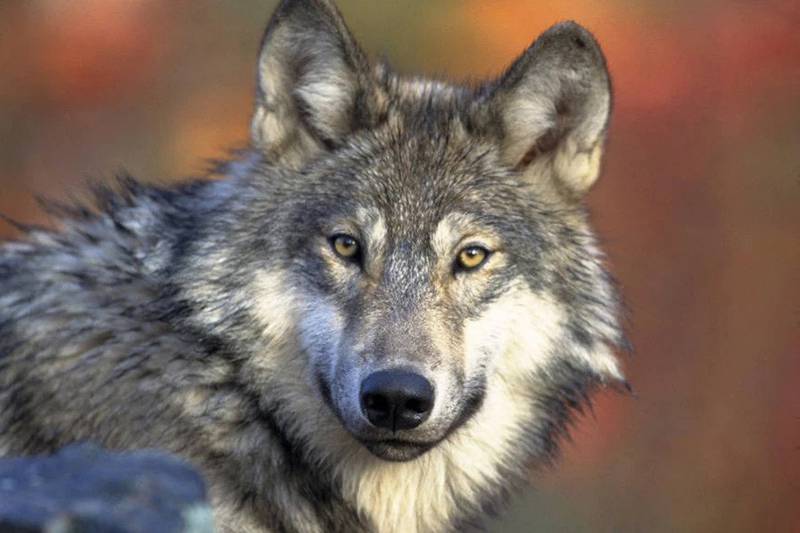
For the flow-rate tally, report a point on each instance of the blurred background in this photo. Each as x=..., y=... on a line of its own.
x=699, y=207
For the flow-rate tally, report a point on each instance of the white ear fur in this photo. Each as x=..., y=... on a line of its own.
x=310, y=74
x=554, y=105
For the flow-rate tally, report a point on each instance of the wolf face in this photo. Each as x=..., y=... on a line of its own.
x=433, y=256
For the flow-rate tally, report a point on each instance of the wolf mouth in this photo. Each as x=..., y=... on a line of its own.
x=397, y=450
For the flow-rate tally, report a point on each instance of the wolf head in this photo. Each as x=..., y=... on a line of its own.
x=417, y=253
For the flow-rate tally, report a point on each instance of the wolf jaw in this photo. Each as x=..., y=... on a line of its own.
x=216, y=322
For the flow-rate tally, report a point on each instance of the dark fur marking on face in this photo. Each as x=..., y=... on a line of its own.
x=472, y=404
x=567, y=394
x=580, y=334
x=494, y=290
x=325, y=392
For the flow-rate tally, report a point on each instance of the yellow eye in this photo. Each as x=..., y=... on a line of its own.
x=472, y=257
x=345, y=246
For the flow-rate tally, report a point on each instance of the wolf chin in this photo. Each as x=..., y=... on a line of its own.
x=379, y=317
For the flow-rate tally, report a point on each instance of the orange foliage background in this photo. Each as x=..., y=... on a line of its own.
x=699, y=207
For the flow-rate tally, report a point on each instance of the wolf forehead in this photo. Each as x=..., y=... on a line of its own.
x=415, y=175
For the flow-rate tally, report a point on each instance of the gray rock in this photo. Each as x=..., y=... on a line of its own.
x=84, y=489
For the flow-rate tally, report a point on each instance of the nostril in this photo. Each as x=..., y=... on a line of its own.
x=376, y=402
x=418, y=405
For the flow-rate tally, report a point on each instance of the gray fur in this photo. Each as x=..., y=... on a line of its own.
x=211, y=319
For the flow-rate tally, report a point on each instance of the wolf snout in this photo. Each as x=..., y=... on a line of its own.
x=396, y=399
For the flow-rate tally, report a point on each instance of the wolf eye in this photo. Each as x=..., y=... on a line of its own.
x=471, y=257
x=345, y=246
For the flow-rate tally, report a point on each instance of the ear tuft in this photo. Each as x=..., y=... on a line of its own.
x=553, y=106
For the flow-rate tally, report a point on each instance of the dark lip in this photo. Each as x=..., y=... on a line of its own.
x=400, y=443
x=396, y=450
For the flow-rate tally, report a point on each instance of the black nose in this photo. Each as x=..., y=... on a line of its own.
x=396, y=399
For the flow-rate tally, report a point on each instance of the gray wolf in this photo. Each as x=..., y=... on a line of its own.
x=380, y=319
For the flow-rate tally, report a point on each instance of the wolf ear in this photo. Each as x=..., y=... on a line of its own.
x=312, y=77
x=553, y=107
